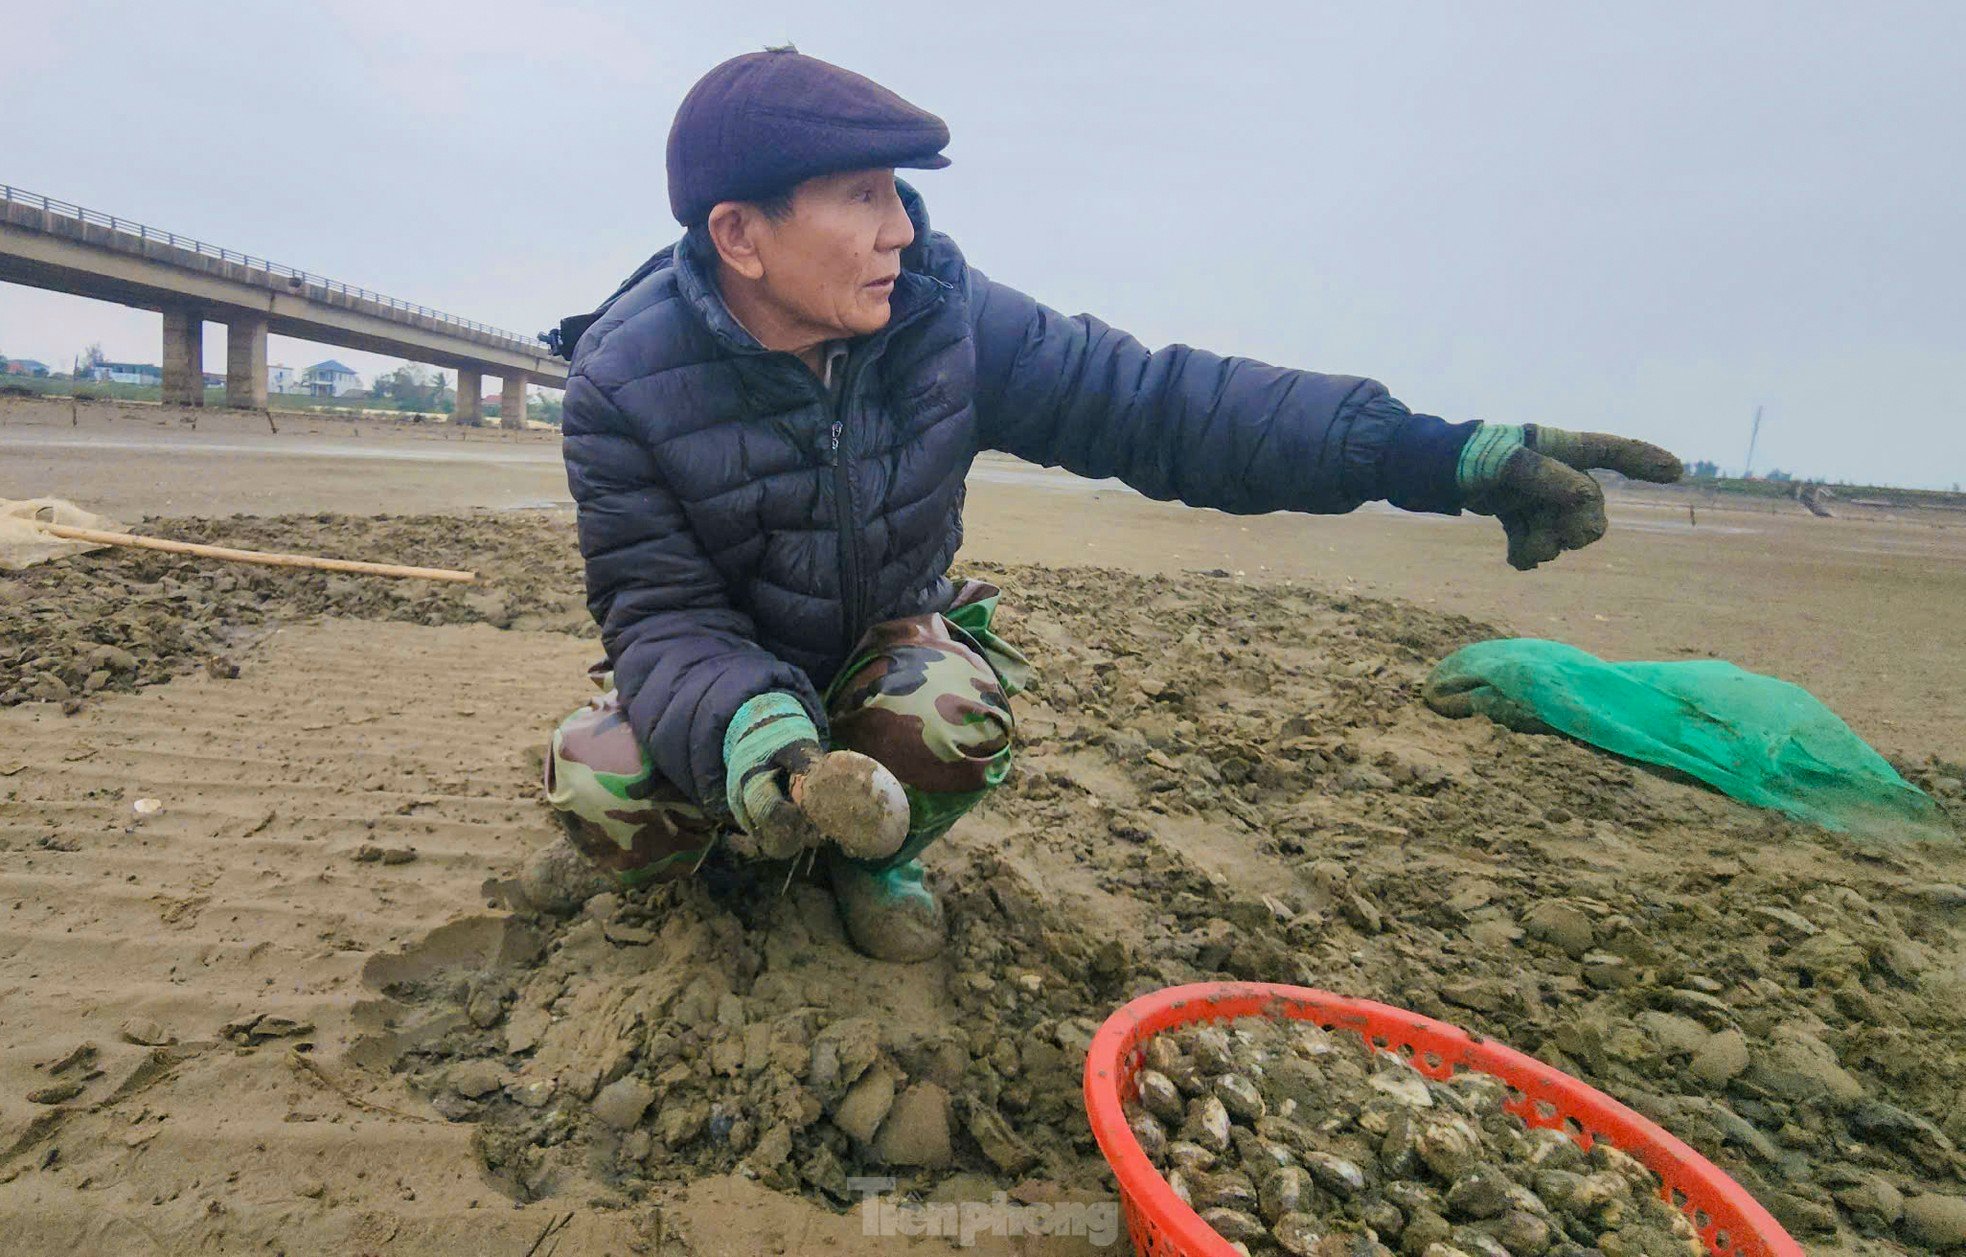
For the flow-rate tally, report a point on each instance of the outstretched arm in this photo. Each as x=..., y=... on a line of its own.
x=1246, y=437
x=1181, y=423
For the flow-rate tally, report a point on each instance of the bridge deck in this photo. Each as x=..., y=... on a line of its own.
x=51, y=244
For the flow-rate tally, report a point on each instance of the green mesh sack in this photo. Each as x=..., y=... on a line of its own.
x=1760, y=740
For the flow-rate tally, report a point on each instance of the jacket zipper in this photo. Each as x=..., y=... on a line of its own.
x=850, y=577
x=853, y=597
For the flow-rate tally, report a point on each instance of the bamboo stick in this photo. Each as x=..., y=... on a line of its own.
x=69, y=533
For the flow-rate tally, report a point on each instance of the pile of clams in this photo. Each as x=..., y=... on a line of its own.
x=1287, y=1138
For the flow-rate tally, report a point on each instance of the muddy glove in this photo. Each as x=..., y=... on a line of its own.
x=1534, y=479
x=788, y=794
x=770, y=740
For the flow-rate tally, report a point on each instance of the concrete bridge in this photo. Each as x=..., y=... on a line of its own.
x=52, y=244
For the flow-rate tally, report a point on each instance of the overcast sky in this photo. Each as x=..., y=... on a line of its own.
x=1641, y=217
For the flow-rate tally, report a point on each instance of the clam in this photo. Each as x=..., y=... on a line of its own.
x=1186, y=1075
x=1484, y=1093
x=1547, y=1149
x=1177, y=1182
x=1603, y=1198
x=1234, y=1224
x=1212, y=1051
x=1159, y=1096
x=1556, y=1187
x=1383, y=1217
x=1403, y=1085
x=1207, y=1124
x=1336, y=1175
x=1283, y=1192
x=1297, y=1234
x=1239, y=1096
x=1185, y=1154
x=1617, y=1161
x=1228, y=1190
x=1399, y=1147
x=1522, y=1198
x=1482, y=1192
x=1448, y=1146
x=1412, y=1197
x=1521, y=1233
x=1266, y=1155
x=1151, y=1134
x=1163, y=1054
x=1477, y=1243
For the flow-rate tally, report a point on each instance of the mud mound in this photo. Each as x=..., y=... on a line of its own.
x=118, y=619
x=1225, y=781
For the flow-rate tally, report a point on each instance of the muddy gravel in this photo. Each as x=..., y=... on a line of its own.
x=1217, y=779
x=118, y=619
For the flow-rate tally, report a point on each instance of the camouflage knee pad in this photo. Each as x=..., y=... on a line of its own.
x=920, y=697
x=928, y=696
x=620, y=812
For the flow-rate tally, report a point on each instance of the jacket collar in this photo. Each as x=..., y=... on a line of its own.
x=695, y=260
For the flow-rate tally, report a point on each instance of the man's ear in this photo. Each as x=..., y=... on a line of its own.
x=733, y=229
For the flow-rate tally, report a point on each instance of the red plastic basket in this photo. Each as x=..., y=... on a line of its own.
x=1729, y=1220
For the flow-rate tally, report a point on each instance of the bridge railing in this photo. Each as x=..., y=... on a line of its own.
x=145, y=234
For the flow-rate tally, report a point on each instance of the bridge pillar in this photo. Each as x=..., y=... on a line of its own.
x=184, y=358
x=245, y=363
x=512, y=402
x=470, y=409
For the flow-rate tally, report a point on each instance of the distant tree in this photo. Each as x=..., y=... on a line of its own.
x=91, y=359
x=385, y=382
x=409, y=388
x=1705, y=469
x=1779, y=476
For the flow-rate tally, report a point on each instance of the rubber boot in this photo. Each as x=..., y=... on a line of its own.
x=558, y=879
x=889, y=915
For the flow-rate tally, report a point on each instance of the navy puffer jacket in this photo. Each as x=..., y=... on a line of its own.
x=741, y=527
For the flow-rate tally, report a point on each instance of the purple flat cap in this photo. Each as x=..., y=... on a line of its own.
x=763, y=123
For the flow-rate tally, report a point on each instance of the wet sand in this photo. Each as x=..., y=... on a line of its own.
x=290, y=1008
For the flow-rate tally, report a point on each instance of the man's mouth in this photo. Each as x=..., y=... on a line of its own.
x=881, y=285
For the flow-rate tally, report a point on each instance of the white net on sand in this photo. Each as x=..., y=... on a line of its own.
x=22, y=544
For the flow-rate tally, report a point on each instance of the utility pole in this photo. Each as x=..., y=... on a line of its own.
x=1754, y=435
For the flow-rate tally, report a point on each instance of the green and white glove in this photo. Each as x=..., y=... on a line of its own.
x=1534, y=480
x=770, y=741
x=788, y=793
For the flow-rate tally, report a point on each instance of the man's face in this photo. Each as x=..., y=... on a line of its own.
x=831, y=263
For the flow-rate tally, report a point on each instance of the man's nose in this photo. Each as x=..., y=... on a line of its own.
x=897, y=230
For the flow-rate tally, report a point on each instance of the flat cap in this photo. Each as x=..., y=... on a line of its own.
x=762, y=123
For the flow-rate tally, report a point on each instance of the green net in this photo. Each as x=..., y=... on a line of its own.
x=1760, y=740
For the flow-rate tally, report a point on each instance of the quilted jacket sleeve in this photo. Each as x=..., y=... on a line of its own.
x=684, y=658
x=1179, y=423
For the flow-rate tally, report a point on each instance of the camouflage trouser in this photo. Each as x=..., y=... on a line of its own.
x=927, y=696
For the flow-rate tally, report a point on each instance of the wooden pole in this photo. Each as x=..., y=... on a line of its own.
x=265, y=558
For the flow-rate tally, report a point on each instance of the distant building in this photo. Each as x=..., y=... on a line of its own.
x=126, y=373
x=330, y=379
x=24, y=366
x=281, y=380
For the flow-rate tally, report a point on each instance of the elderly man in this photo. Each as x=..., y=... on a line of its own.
x=767, y=432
